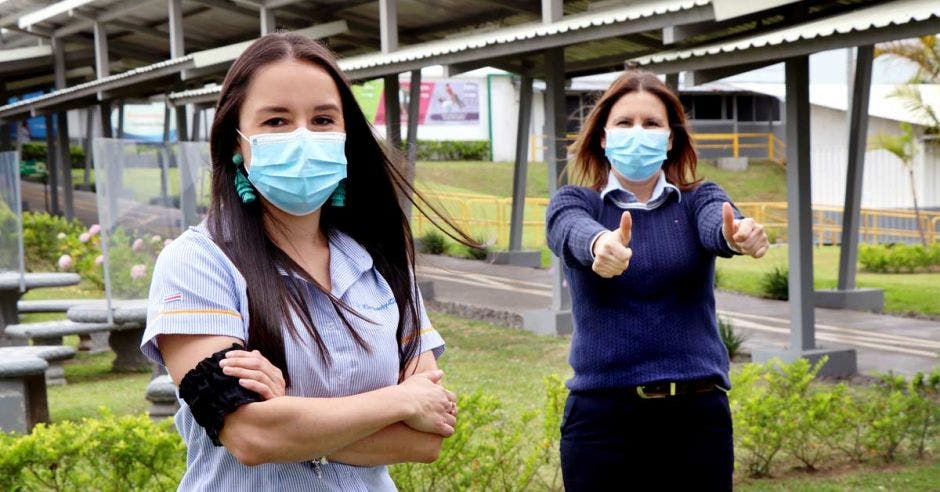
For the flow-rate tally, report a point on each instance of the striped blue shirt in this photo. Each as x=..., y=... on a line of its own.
x=196, y=290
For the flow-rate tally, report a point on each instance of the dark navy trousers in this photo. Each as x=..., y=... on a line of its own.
x=611, y=440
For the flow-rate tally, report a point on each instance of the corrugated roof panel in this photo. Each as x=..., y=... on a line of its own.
x=883, y=15
x=519, y=33
x=98, y=83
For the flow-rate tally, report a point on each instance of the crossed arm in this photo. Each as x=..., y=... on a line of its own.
x=401, y=423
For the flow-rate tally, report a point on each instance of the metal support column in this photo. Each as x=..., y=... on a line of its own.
x=672, y=80
x=515, y=255
x=62, y=131
x=521, y=164
x=177, y=42
x=799, y=211
x=846, y=295
x=388, y=33
x=268, y=24
x=86, y=145
x=414, y=103
x=8, y=128
x=52, y=206
x=556, y=320
x=120, y=122
x=195, y=127
x=800, y=232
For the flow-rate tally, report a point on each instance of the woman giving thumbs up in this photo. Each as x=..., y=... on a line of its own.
x=647, y=408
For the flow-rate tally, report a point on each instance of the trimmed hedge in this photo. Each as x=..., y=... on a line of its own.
x=36, y=151
x=452, y=150
x=899, y=257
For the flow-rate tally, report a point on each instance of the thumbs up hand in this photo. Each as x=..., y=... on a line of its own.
x=611, y=252
x=744, y=235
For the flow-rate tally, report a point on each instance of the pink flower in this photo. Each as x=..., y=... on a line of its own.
x=94, y=229
x=138, y=271
x=84, y=237
x=99, y=260
x=167, y=242
x=156, y=239
x=138, y=245
x=65, y=262
x=60, y=236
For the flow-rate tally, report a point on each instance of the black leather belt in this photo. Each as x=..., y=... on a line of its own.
x=666, y=389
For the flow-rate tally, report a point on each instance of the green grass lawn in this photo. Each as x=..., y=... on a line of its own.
x=905, y=293
x=763, y=181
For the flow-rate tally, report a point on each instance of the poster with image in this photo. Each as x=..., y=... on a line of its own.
x=441, y=102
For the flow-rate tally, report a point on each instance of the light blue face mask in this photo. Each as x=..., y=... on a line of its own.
x=297, y=171
x=636, y=153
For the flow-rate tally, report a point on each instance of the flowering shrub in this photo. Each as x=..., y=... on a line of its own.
x=52, y=243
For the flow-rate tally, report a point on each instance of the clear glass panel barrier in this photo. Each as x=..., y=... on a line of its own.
x=11, y=215
x=140, y=207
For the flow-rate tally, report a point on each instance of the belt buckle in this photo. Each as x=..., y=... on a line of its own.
x=642, y=394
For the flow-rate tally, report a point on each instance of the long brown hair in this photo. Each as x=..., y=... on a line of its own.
x=372, y=214
x=591, y=167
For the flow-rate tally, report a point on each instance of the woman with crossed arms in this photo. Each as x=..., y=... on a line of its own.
x=290, y=318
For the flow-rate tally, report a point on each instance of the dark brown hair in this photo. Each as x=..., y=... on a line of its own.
x=591, y=168
x=372, y=214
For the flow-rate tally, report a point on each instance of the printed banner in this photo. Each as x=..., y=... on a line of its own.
x=441, y=102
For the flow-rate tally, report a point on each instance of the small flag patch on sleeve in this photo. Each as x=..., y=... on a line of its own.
x=173, y=298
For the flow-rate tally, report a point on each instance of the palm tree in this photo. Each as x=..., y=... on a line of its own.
x=902, y=146
x=923, y=53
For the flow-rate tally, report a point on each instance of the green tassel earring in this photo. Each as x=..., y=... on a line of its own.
x=242, y=186
x=338, y=198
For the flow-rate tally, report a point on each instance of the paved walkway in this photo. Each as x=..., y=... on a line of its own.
x=150, y=219
x=501, y=293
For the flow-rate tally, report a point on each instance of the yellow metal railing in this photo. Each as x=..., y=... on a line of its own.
x=772, y=147
x=875, y=225
x=487, y=218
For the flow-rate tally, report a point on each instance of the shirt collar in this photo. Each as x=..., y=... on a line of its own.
x=626, y=199
x=348, y=261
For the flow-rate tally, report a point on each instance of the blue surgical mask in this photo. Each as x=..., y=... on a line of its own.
x=297, y=171
x=636, y=153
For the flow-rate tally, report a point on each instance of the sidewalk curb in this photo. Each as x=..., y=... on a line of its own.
x=478, y=313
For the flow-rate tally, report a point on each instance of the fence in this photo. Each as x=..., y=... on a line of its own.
x=775, y=148
x=875, y=225
x=487, y=218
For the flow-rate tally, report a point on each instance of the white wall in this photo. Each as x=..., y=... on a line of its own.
x=885, y=183
x=505, y=117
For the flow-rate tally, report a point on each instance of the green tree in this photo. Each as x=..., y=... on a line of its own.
x=902, y=146
x=924, y=54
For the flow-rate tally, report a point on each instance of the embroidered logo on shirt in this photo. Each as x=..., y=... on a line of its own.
x=173, y=298
x=390, y=302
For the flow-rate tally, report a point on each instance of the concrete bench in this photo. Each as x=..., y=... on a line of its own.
x=51, y=332
x=51, y=305
x=124, y=339
x=161, y=393
x=23, y=402
x=52, y=354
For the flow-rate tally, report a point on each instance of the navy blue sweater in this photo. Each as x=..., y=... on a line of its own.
x=656, y=321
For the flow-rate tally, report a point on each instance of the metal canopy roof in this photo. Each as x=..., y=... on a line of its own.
x=885, y=22
x=596, y=35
